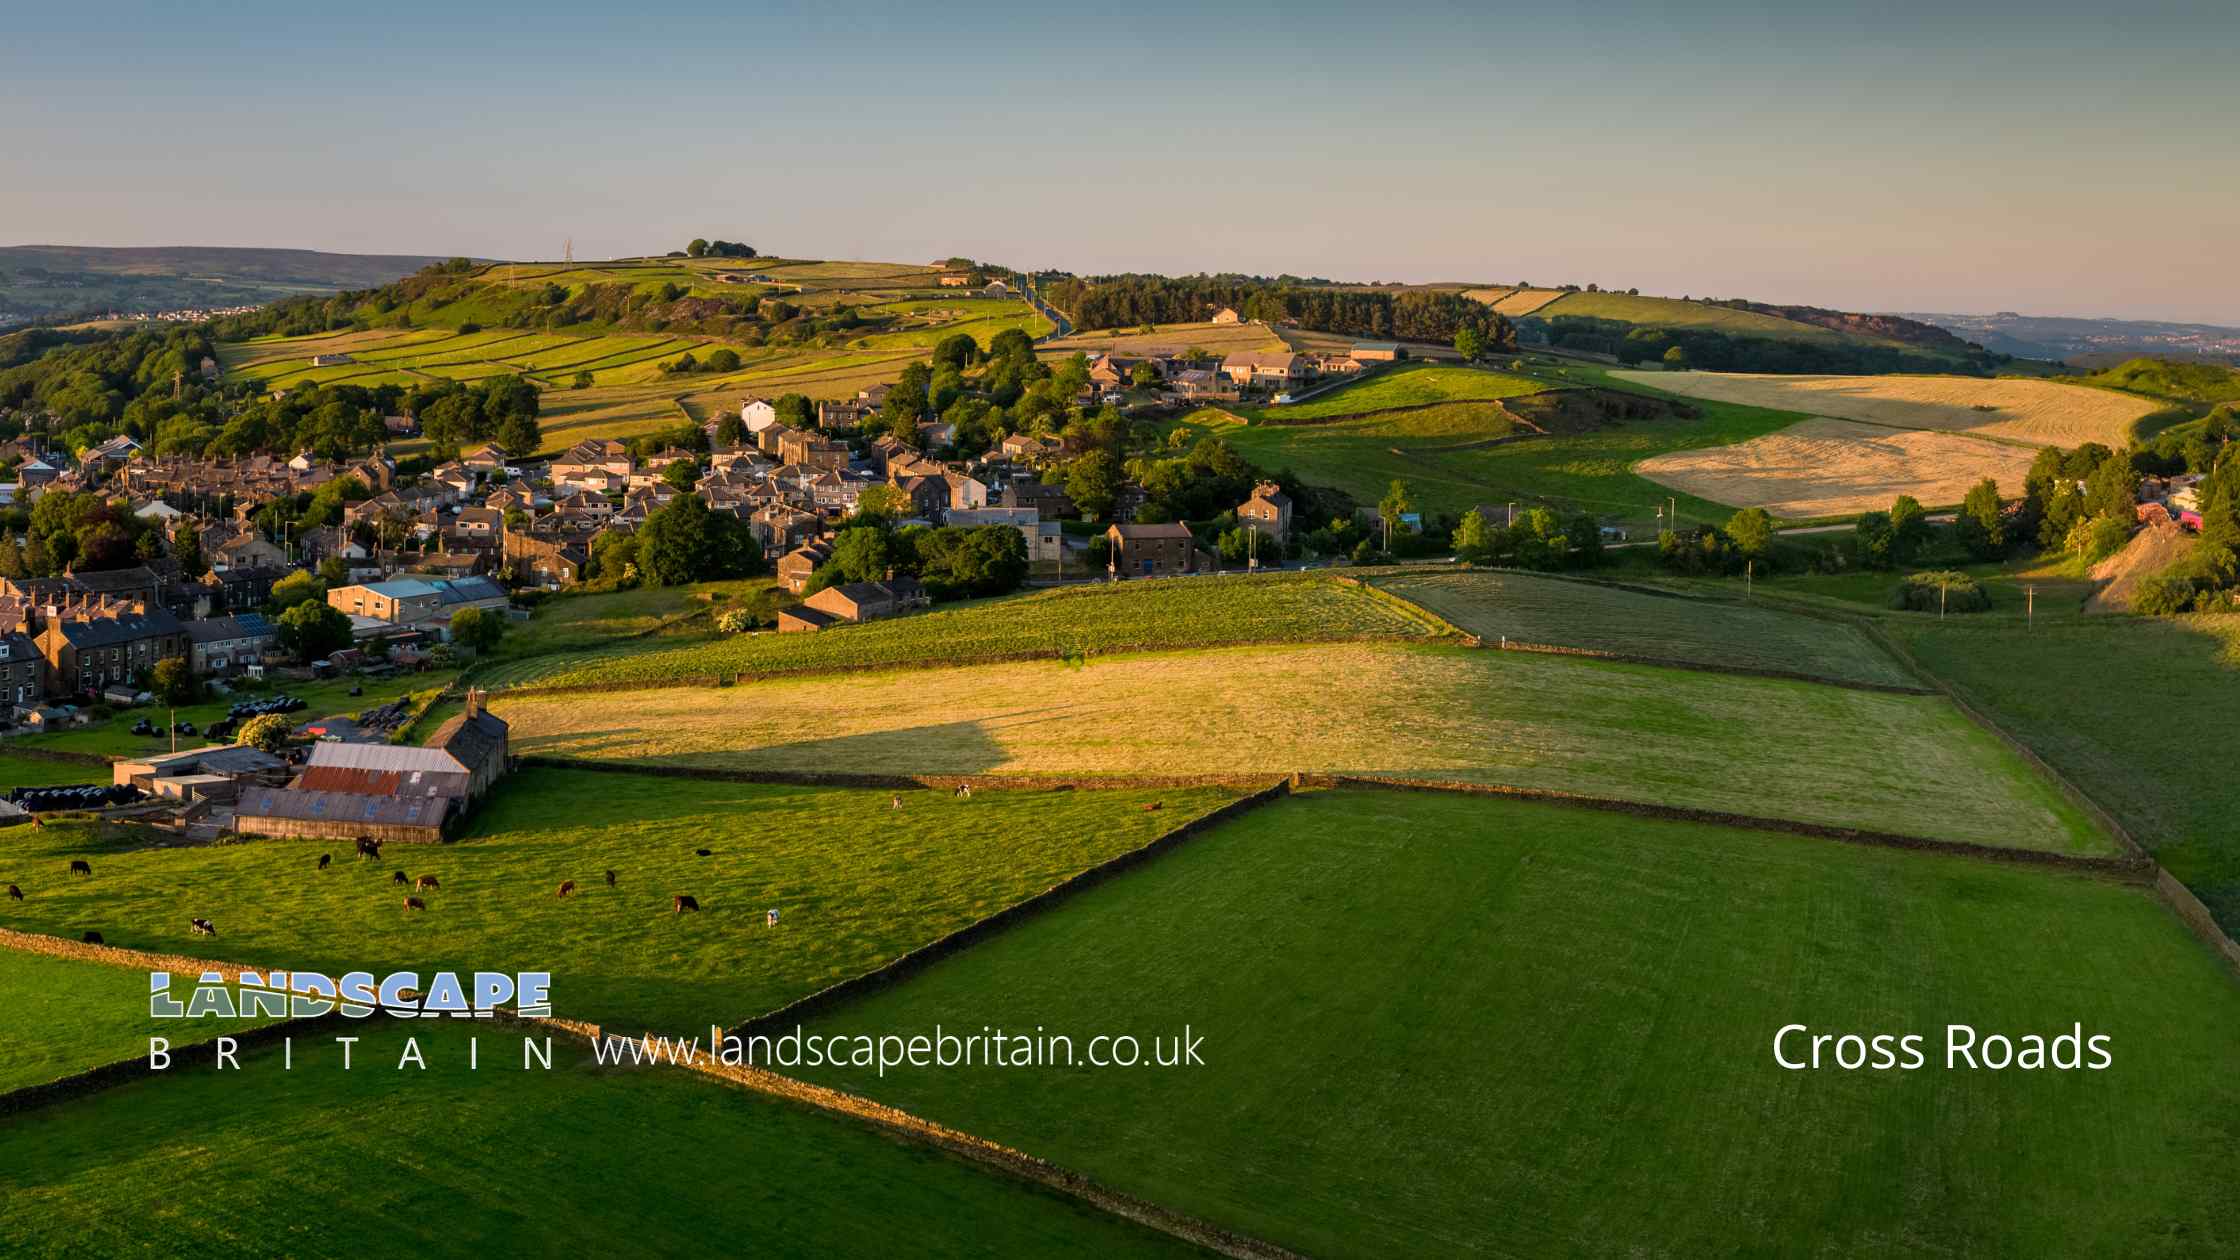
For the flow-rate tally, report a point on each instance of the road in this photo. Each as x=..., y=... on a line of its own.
x=1060, y=324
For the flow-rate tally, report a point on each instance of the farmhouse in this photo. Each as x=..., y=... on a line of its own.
x=1152, y=550
x=1267, y=511
x=336, y=359
x=1227, y=315
x=1270, y=368
x=854, y=602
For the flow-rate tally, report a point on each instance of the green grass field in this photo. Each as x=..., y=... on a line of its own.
x=858, y=883
x=1129, y=616
x=1664, y=312
x=1408, y=385
x=2132, y=710
x=1451, y=463
x=1908, y=764
x=20, y=771
x=376, y=1161
x=581, y=621
x=60, y=1016
x=1598, y=1078
x=1633, y=623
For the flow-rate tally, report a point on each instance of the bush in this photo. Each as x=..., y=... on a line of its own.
x=2099, y=537
x=1946, y=589
x=269, y=732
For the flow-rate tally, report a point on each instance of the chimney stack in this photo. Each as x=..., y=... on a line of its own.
x=474, y=703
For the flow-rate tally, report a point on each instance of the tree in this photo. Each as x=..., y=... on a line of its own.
x=1676, y=359
x=860, y=554
x=173, y=682
x=1909, y=528
x=1981, y=529
x=477, y=628
x=697, y=249
x=582, y=380
x=1751, y=531
x=1473, y=538
x=186, y=548
x=883, y=500
x=685, y=542
x=1469, y=343
x=296, y=588
x=1093, y=482
x=519, y=437
x=268, y=733
x=1874, y=539
x=334, y=571
x=723, y=360
x=1395, y=505
x=311, y=630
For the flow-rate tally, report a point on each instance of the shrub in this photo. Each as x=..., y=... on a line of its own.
x=1948, y=589
x=269, y=732
x=2098, y=537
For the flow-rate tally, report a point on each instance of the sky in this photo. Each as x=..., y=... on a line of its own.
x=2047, y=158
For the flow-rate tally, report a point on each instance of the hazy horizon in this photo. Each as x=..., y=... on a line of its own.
x=2042, y=158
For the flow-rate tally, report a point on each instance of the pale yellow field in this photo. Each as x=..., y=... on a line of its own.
x=1845, y=757
x=2043, y=413
x=1515, y=302
x=1823, y=467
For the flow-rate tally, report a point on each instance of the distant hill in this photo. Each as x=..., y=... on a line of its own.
x=2171, y=379
x=2085, y=342
x=50, y=282
x=1745, y=336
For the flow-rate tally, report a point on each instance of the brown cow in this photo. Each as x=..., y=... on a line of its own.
x=14, y=893
x=325, y=858
x=1152, y=806
x=610, y=879
x=400, y=879
x=203, y=927
x=685, y=902
x=78, y=866
x=93, y=938
x=566, y=886
x=414, y=903
x=425, y=883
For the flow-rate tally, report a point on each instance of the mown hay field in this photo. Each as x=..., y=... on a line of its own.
x=1053, y=624
x=858, y=883
x=1217, y=339
x=1601, y=618
x=63, y=1016
x=1514, y=302
x=1821, y=467
x=1599, y=1078
x=1830, y=755
x=2128, y=708
x=2038, y=412
x=453, y=1160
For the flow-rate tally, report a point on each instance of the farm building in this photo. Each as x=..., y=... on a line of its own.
x=1272, y=368
x=1376, y=352
x=385, y=791
x=1227, y=315
x=853, y=602
x=214, y=772
x=1268, y=511
x=1152, y=550
x=342, y=815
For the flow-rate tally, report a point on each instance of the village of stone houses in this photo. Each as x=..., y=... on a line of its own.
x=1224, y=763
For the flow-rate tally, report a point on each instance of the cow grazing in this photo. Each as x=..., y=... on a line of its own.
x=203, y=927
x=325, y=858
x=368, y=848
x=79, y=866
x=685, y=902
x=400, y=879
x=897, y=802
x=93, y=938
x=414, y=903
x=566, y=886
x=1152, y=806
x=426, y=883
x=610, y=879
x=16, y=894
x=703, y=853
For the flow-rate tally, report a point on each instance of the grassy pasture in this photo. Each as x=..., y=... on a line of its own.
x=1409, y=385
x=1909, y=764
x=1599, y=1079
x=448, y=1161
x=1666, y=312
x=1131, y=616
x=2132, y=709
x=858, y=883
x=59, y=1016
x=17, y=771
x=1216, y=339
x=1607, y=619
x=2038, y=412
x=578, y=622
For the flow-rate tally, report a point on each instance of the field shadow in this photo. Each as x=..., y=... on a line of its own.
x=961, y=747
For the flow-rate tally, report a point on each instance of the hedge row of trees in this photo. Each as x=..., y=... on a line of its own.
x=1406, y=314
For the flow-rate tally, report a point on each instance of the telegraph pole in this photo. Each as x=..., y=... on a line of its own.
x=2030, y=606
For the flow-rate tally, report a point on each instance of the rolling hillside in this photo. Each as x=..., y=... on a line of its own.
x=1744, y=336
x=50, y=281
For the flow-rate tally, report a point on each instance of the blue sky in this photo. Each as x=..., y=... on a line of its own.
x=1964, y=157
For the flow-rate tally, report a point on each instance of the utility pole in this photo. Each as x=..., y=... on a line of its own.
x=1749, y=578
x=1512, y=513
x=1940, y=600
x=2030, y=606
